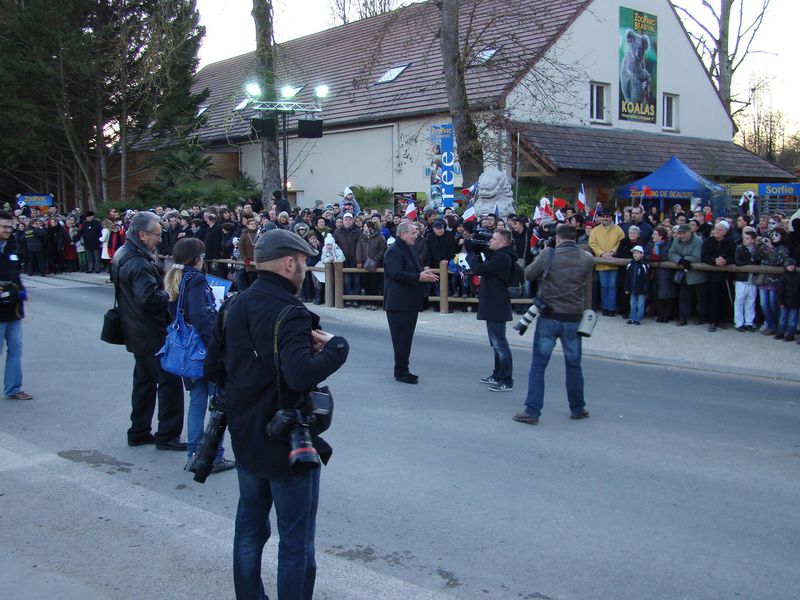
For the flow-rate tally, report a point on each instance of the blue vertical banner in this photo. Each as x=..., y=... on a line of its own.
x=448, y=165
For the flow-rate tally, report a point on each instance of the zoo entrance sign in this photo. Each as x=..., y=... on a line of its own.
x=638, y=44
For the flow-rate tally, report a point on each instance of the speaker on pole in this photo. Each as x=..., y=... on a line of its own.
x=265, y=128
x=309, y=128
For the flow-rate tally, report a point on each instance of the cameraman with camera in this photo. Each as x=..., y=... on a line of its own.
x=494, y=303
x=272, y=355
x=562, y=273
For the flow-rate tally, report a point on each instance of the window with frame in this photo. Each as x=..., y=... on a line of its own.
x=393, y=73
x=669, y=112
x=599, y=95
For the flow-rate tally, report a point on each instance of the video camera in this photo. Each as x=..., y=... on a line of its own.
x=479, y=241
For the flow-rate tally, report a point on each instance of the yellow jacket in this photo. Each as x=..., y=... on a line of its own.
x=604, y=239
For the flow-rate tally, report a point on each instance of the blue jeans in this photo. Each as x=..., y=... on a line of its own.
x=608, y=289
x=768, y=298
x=788, y=322
x=352, y=284
x=11, y=331
x=199, y=391
x=547, y=331
x=503, y=363
x=295, y=501
x=637, y=306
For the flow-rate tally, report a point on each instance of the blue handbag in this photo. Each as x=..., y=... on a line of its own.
x=183, y=352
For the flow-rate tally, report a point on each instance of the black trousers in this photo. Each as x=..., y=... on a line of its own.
x=685, y=301
x=718, y=302
x=401, y=326
x=150, y=380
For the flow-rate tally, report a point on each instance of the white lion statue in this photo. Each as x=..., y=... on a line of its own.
x=494, y=189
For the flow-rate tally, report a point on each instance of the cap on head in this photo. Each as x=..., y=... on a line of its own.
x=348, y=215
x=438, y=224
x=278, y=243
x=684, y=228
x=637, y=249
x=789, y=261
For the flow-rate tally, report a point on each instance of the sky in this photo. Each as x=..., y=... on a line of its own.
x=230, y=32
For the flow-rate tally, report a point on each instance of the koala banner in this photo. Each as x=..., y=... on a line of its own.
x=637, y=65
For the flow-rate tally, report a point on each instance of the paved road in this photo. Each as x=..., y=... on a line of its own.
x=680, y=485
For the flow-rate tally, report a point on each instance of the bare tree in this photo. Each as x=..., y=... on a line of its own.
x=265, y=73
x=347, y=11
x=470, y=150
x=723, y=37
x=761, y=128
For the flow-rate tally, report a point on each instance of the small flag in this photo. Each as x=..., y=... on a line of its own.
x=559, y=215
x=496, y=211
x=469, y=214
x=646, y=190
x=559, y=203
x=581, y=203
x=534, y=240
x=411, y=211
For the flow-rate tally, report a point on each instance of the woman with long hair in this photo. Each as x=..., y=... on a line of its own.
x=199, y=310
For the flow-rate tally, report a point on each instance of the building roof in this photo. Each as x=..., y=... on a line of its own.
x=603, y=149
x=351, y=58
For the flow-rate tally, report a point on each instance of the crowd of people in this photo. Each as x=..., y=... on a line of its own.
x=344, y=232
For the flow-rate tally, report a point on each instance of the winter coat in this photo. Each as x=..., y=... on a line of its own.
x=9, y=271
x=636, y=278
x=788, y=289
x=693, y=252
x=665, y=289
x=494, y=303
x=744, y=257
x=604, y=239
x=247, y=245
x=564, y=288
x=347, y=240
x=139, y=285
x=90, y=234
x=403, y=291
x=35, y=239
x=440, y=247
x=713, y=249
x=771, y=257
x=199, y=305
x=371, y=246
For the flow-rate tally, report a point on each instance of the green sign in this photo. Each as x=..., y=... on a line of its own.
x=638, y=45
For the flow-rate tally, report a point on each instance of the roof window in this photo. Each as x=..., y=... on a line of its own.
x=242, y=105
x=484, y=56
x=393, y=73
x=201, y=110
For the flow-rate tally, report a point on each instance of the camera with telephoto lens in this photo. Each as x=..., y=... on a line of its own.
x=479, y=241
x=206, y=453
x=539, y=307
x=302, y=455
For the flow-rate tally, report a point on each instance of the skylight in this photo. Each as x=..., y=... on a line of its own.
x=393, y=73
x=484, y=56
x=242, y=105
x=201, y=110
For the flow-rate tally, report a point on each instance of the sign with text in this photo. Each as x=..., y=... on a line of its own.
x=36, y=199
x=638, y=46
x=779, y=189
x=443, y=175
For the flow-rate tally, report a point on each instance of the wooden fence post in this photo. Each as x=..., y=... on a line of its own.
x=338, y=281
x=444, y=288
x=329, y=284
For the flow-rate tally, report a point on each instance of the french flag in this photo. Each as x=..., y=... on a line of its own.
x=534, y=240
x=411, y=211
x=469, y=214
x=581, y=203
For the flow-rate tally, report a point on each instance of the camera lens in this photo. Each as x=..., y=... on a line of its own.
x=303, y=456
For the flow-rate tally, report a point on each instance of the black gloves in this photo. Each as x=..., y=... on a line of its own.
x=685, y=263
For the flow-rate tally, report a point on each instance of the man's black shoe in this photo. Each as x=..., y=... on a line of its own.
x=526, y=418
x=175, y=444
x=489, y=380
x=581, y=415
x=680, y=323
x=141, y=441
x=407, y=378
x=501, y=387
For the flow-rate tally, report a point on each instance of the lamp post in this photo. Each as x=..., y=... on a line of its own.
x=284, y=107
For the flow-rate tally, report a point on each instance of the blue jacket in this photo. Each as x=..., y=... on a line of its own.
x=199, y=306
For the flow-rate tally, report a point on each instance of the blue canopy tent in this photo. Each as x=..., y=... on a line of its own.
x=674, y=182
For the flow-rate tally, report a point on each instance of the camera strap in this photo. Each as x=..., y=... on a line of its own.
x=548, y=263
x=276, y=357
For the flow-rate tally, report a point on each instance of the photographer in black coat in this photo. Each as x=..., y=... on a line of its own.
x=139, y=287
x=243, y=344
x=494, y=303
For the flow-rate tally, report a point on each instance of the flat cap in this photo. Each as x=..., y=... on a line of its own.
x=278, y=243
x=684, y=228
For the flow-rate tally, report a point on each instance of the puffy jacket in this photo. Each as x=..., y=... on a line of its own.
x=564, y=288
x=139, y=285
x=636, y=277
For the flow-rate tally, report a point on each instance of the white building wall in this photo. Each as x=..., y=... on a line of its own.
x=394, y=155
x=589, y=51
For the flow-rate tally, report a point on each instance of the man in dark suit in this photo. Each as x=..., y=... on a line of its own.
x=405, y=285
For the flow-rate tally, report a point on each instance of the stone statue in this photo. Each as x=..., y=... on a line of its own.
x=494, y=188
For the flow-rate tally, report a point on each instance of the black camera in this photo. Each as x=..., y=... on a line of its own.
x=203, y=461
x=302, y=455
x=479, y=241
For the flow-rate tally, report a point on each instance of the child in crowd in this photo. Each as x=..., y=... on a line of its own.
x=636, y=282
x=788, y=289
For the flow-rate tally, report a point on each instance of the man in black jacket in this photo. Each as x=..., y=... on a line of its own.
x=254, y=392
x=90, y=233
x=718, y=250
x=12, y=297
x=494, y=305
x=405, y=286
x=139, y=287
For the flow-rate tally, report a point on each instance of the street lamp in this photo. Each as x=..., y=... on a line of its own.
x=287, y=106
